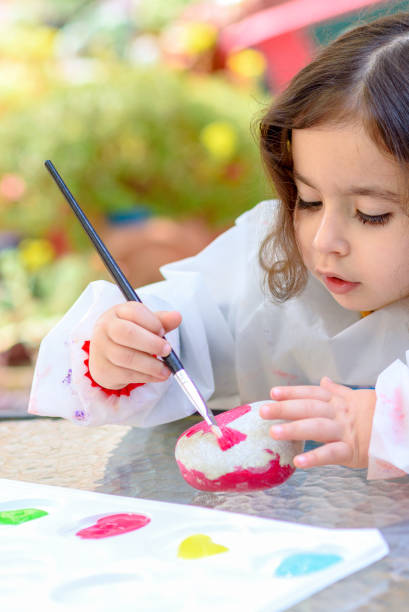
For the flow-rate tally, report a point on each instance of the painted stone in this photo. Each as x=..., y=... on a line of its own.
x=246, y=458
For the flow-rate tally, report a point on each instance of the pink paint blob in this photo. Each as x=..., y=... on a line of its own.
x=230, y=436
x=241, y=479
x=112, y=525
x=225, y=418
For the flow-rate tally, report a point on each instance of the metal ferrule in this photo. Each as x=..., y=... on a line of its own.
x=195, y=397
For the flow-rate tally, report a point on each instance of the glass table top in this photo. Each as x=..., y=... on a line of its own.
x=122, y=460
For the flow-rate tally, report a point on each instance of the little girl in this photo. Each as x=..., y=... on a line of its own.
x=314, y=284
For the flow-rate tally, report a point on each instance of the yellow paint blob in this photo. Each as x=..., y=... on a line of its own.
x=199, y=545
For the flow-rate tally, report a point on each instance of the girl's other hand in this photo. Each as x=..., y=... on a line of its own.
x=338, y=416
x=125, y=342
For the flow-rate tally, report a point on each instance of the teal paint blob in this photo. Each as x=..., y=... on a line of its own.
x=300, y=564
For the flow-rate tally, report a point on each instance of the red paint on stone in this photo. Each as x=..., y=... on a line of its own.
x=241, y=479
x=225, y=418
x=114, y=524
x=230, y=436
x=222, y=420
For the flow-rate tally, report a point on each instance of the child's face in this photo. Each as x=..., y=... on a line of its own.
x=351, y=230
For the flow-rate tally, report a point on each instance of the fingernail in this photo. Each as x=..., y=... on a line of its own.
x=275, y=391
x=166, y=350
x=161, y=332
x=265, y=411
x=277, y=430
x=301, y=460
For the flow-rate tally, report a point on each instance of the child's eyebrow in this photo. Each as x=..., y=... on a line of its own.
x=364, y=190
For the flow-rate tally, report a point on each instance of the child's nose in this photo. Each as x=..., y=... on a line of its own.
x=330, y=235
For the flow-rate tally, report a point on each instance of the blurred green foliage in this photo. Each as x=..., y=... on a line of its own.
x=155, y=14
x=127, y=132
x=134, y=137
x=32, y=301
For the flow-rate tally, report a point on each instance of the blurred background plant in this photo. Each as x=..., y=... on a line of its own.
x=86, y=85
x=145, y=107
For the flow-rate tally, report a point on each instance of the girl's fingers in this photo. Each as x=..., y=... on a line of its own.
x=333, y=388
x=170, y=319
x=159, y=322
x=126, y=334
x=141, y=315
x=319, y=429
x=136, y=362
x=334, y=453
x=300, y=392
x=292, y=410
x=116, y=377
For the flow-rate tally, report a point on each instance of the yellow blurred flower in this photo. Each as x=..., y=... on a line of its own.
x=220, y=139
x=28, y=43
x=199, y=37
x=36, y=253
x=248, y=63
x=189, y=38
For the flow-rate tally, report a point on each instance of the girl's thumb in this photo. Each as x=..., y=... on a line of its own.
x=329, y=385
x=170, y=319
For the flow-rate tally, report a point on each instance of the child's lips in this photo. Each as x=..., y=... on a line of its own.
x=338, y=285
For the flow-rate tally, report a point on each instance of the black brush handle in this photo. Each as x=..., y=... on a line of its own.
x=172, y=360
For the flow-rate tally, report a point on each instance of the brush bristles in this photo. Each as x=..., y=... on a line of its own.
x=217, y=431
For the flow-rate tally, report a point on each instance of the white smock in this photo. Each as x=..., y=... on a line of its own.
x=235, y=343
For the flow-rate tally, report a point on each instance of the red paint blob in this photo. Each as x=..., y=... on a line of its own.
x=230, y=436
x=241, y=479
x=114, y=524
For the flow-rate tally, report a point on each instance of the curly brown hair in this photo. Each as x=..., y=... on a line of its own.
x=362, y=76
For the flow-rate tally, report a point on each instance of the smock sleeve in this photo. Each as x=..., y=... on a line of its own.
x=204, y=289
x=389, y=444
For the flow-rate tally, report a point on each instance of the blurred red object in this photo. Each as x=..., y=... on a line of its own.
x=279, y=33
x=60, y=241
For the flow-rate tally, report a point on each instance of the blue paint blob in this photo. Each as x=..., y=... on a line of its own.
x=300, y=564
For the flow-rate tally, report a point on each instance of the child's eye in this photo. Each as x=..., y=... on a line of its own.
x=373, y=219
x=363, y=218
x=303, y=204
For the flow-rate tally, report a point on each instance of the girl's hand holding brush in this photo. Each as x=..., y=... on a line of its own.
x=125, y=344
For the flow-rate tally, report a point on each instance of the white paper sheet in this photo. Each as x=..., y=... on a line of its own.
x=44, y=562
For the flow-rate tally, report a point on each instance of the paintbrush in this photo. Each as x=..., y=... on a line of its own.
x=172, y=360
